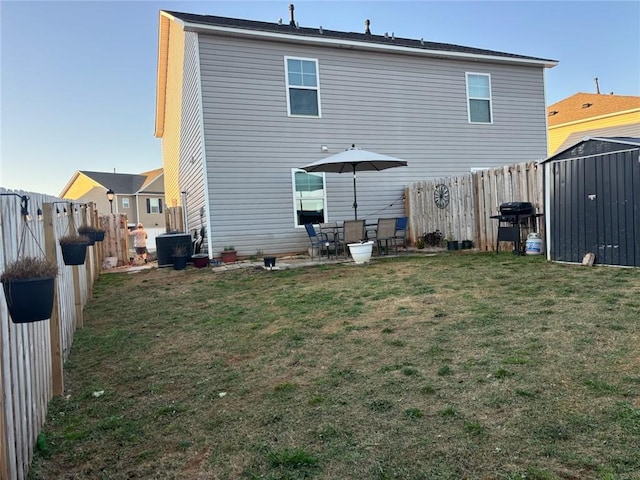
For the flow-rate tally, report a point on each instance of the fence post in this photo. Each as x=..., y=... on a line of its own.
x=77, y=293
x=57, y=362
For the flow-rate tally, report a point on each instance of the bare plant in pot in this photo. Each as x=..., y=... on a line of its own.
x=95, y=234
x=29, y=287
x=180, y=257
x=74, y=248
x=229, y=254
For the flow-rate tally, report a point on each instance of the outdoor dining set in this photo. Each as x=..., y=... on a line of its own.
x=332, y=238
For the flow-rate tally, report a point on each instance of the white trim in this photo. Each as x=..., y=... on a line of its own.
x=598, y=117
x=295, y=199
x=301, y=87
x=469, y=98
x=239, y=32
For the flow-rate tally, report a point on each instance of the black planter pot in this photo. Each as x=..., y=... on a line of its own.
x=467, y=244
x=98, y=236
x=179, y=261
x=453, y=245
x=269, y=261
x=29, y=300
x=74, y=253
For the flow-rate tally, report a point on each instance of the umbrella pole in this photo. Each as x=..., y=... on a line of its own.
x=355, y=202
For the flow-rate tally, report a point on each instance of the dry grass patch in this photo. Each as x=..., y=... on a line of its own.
x=456, y=366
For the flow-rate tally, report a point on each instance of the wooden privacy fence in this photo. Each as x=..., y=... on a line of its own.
x=473, y=199
x=32, y=354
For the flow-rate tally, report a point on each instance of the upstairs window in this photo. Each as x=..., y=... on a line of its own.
x=125, y=203
x=154, y=205
x=303, y=93
x=308, y=197
x=479, y=98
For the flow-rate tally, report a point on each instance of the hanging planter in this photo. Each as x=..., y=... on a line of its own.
x=29, y=287
x=74, y=249
x=93, y=233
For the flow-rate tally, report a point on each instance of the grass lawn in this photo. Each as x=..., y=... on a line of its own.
x=456, y=366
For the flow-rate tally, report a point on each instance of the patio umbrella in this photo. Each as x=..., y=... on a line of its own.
x=354, y=159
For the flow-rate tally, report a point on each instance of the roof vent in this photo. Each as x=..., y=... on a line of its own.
x=553, y=112
x=366, y=27
x=320, y=29
x=280, y=21
x=422, y=42
x=586, y=105
x=292, y=22
x=386, y=35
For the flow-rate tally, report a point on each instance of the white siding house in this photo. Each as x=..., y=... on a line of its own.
x=242, y=104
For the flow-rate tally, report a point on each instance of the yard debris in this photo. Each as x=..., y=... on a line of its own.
x=222, y=394
x=99, y=393
x=588, y=259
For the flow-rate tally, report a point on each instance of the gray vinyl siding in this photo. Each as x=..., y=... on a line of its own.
x=407, y=106
x=191, y=144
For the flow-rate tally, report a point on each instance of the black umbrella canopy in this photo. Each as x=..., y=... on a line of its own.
x=352, y=160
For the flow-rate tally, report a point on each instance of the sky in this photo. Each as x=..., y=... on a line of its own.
x=78, y=78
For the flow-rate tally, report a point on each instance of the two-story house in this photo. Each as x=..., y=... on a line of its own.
x=241, y=105
x=139, y=196
x=592, y=115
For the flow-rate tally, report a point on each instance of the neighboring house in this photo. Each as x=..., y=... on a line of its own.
x=591, y=115
x=242, y=104
x=140, y=196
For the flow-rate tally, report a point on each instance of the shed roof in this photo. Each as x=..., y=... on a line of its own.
x=124, y=183
x=582, y=106
x=596, y=146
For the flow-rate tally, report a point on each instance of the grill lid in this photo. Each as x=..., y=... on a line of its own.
x=516, y=208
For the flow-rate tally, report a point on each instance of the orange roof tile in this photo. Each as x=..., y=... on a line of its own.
x=588, y=105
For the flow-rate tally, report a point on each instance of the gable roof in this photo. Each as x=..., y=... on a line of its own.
x=582, y=106
x=196, y=22
x=120, y=183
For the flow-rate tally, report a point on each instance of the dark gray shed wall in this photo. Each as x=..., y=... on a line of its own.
x=594, y=193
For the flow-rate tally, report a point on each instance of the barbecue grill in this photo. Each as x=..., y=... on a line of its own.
x=515, y=220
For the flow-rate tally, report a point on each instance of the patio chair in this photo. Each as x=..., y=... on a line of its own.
x=385, y=232
x=352, y=232
x=332, y=231
x=401, y=232
x=319, y=241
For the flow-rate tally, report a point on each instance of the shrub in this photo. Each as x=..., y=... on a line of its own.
x=433, y=239
x=29, y=267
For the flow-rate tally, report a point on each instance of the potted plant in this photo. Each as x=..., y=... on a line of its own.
x=200, y=260
x=95, y=234
x=361, y=251
x=29, y=287
x=180, y=257
x=229, y=254
x=74, y=248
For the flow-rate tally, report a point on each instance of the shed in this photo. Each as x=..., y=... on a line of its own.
x=592, y=202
